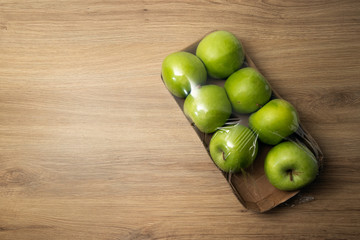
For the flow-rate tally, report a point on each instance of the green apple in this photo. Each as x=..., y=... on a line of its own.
x=275, y=121
x=182, y=71
x=208, y=107
x=290, y=166
x=233, y=148
x=247, y=90
x=222, y=54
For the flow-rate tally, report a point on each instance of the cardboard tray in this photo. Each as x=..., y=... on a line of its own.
x=252, y=188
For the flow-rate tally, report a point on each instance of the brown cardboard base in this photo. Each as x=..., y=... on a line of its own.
x=252, y=188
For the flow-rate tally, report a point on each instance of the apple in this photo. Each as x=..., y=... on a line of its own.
x=181, y=72
x=247, y=90
x=233, y=148
x=290, y=166
x=222, y=54
x=208, y=107
x=275, y=121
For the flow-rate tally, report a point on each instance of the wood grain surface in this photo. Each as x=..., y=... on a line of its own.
x=92, y=145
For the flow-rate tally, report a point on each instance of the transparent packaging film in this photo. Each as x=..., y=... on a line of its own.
x=247, y=141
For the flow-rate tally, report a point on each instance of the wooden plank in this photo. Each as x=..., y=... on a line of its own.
x=92, y=146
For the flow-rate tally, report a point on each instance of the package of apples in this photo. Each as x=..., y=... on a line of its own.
x=252, y=135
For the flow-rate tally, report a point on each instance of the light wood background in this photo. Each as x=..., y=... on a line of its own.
x=92, y=146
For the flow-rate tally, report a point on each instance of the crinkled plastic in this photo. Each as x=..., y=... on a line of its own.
x=249, y=183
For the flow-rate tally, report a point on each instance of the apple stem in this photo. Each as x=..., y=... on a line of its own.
x=223, y=155
x=290, y=172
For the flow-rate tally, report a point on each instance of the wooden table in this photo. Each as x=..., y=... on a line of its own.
x=92, y=146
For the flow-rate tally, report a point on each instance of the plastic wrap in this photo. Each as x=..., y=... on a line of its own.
x=248, y=181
